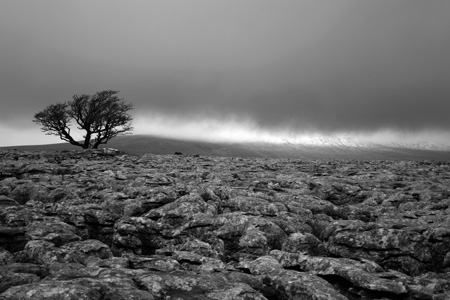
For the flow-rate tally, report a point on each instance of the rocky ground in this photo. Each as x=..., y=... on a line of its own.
x=104, y=225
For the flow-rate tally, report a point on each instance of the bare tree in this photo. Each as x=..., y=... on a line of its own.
x=102, y=116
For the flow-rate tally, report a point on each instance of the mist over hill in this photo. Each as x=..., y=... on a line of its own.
x=325, y=149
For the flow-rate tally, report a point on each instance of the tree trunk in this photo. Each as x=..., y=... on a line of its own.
x=87, y=139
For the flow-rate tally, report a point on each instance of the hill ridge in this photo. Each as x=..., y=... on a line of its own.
x=141, y=144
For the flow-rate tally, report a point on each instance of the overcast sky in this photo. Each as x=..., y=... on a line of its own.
x=200, y=68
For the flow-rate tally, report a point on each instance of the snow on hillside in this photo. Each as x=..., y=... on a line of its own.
x=355, y=142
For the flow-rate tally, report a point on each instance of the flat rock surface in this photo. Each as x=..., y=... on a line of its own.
x=100, y=224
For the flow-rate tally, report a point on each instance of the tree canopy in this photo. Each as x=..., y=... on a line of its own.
x=102, y=116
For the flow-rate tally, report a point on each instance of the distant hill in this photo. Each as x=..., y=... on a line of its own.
x=140, y=144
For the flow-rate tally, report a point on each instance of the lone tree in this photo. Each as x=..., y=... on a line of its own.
x=102, y=116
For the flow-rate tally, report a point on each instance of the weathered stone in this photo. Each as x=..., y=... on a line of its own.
x=181, y=210
x=6, y=201
x=19, y=216
x=412, y=249
x=361, y=275
x=195, y=262
x=52, y=230
x=154, y=262
x=301, y=285
x=198, y=247
x=90, y=221
x=199, y=227
x=254, y=206
x=138, y=234
x=22, y=193
x=6, y=257
x=304, y=242
x=262, y=265
x=75, y=289
x=44, y=252
x=188, y=285
x=10, y=279
x=25, y=268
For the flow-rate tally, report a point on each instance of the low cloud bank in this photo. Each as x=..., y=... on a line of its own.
x=21, y=137
x=233, y=129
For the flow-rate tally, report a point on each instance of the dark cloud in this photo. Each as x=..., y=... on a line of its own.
x=324, y=66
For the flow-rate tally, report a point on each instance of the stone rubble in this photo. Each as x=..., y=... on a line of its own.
x=101, y=224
